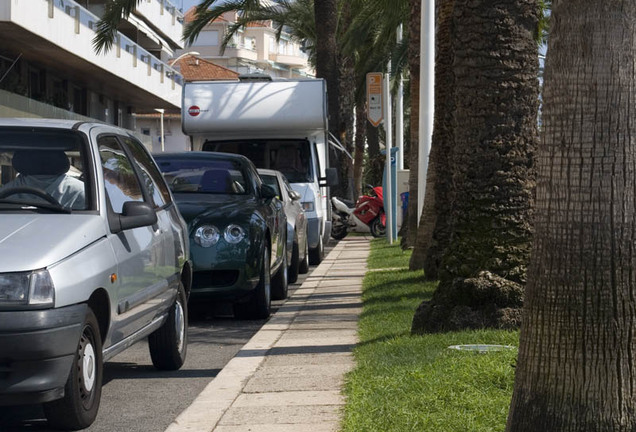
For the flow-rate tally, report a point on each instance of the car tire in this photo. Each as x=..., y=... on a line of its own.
x=292, y=270
x=82, y=392
x=280, y=281
x=259, y=306
x=377, y=228
x=303, y=268
x=168, y=344
x=317, y=254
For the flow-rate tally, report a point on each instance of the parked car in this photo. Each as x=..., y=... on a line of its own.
x=298, y=262
x=93, y=258
x=237, y=229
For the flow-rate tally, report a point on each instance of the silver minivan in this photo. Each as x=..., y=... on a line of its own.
x=93, y=258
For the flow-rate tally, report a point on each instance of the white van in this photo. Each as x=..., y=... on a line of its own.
x=277, y=124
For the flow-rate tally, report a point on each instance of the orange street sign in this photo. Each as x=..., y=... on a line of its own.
x=375, y=98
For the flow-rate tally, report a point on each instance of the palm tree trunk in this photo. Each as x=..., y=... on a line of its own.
x=495, y=66
x=576, y=357
x=412, y=215
x=326, y=13
x=361, y=133
x=433, y=234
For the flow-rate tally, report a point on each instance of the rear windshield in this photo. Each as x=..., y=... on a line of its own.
x=291, y=157
x=204, y=176
x=44, y=169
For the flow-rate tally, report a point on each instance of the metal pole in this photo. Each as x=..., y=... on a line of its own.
x=399, y=114
x=161, y=111
x=427, y=78
x=388, y=198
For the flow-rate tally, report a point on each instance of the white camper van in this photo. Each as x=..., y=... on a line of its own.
x=277, y=124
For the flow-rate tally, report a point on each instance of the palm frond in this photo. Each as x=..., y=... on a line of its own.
x=114, y=12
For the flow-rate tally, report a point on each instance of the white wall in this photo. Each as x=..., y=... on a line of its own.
x=33, y=15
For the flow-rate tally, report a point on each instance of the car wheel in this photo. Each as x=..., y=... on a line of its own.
x=303, y=268
x=377, y=228
x=168, y=345
x=259, y=305
x=280, y=283
x=292, y=270
x=318, y=253
x=83, y=389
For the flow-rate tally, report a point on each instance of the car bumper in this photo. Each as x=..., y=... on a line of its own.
x=223, y=284
x=36, y=353
x=313, y=232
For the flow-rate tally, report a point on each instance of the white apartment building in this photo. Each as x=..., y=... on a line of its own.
x=253, y=49
x=49, y=68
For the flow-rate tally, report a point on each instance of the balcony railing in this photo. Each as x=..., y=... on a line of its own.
x=85, y=18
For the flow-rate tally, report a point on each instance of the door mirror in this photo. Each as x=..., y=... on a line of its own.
x=137, y=214
x=295, y=196
x=331, y=178
x=268, y=192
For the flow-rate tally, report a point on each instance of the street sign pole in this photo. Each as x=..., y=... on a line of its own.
x=388, y=198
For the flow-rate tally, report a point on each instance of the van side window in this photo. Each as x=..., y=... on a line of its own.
x=151, y=176
x=120, y=182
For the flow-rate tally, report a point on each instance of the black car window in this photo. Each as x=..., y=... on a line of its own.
x=214, y=176
x=150, y=175
x=120, y=182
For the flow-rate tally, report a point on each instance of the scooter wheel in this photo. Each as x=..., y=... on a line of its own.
x=377, y=227
x=338, y=232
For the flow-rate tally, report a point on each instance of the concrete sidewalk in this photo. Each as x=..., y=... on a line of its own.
x=289, y=376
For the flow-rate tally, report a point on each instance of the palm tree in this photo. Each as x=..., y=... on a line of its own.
x=433, y=233
x=409, y=232
x=495, y=64
x=576, y=353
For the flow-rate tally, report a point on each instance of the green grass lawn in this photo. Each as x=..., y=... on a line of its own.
x=415, y=383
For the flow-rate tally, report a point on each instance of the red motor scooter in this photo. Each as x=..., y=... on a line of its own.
x=366, y=216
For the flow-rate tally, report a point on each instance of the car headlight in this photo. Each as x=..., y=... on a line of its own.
x=27, y=288
x=308, y=206
x=206, y=235
x=234, y=234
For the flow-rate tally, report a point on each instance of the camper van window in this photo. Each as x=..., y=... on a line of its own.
x=291, y=157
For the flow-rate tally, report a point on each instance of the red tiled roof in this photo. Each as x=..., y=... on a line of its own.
x=190, y=14
x=197, y=69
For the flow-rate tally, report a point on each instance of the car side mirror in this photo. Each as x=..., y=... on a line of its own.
x=331, y=178
x=136, y=214
x=295, y=196
x=268, y=192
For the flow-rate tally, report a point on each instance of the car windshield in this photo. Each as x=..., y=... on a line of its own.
x=291, y=157
x=43, y=169
x=213, y=176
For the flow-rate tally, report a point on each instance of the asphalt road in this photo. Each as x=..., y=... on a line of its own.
x=138, y=398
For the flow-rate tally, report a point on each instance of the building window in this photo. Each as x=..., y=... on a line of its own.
x=207, y=38
x=145, y=131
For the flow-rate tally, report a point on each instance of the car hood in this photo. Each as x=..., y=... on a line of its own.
x=235, y=208
x=30, y=242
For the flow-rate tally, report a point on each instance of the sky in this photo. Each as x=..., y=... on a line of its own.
x=185, y=4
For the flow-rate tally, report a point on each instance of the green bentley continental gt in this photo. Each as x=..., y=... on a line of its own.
x=237, y=229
